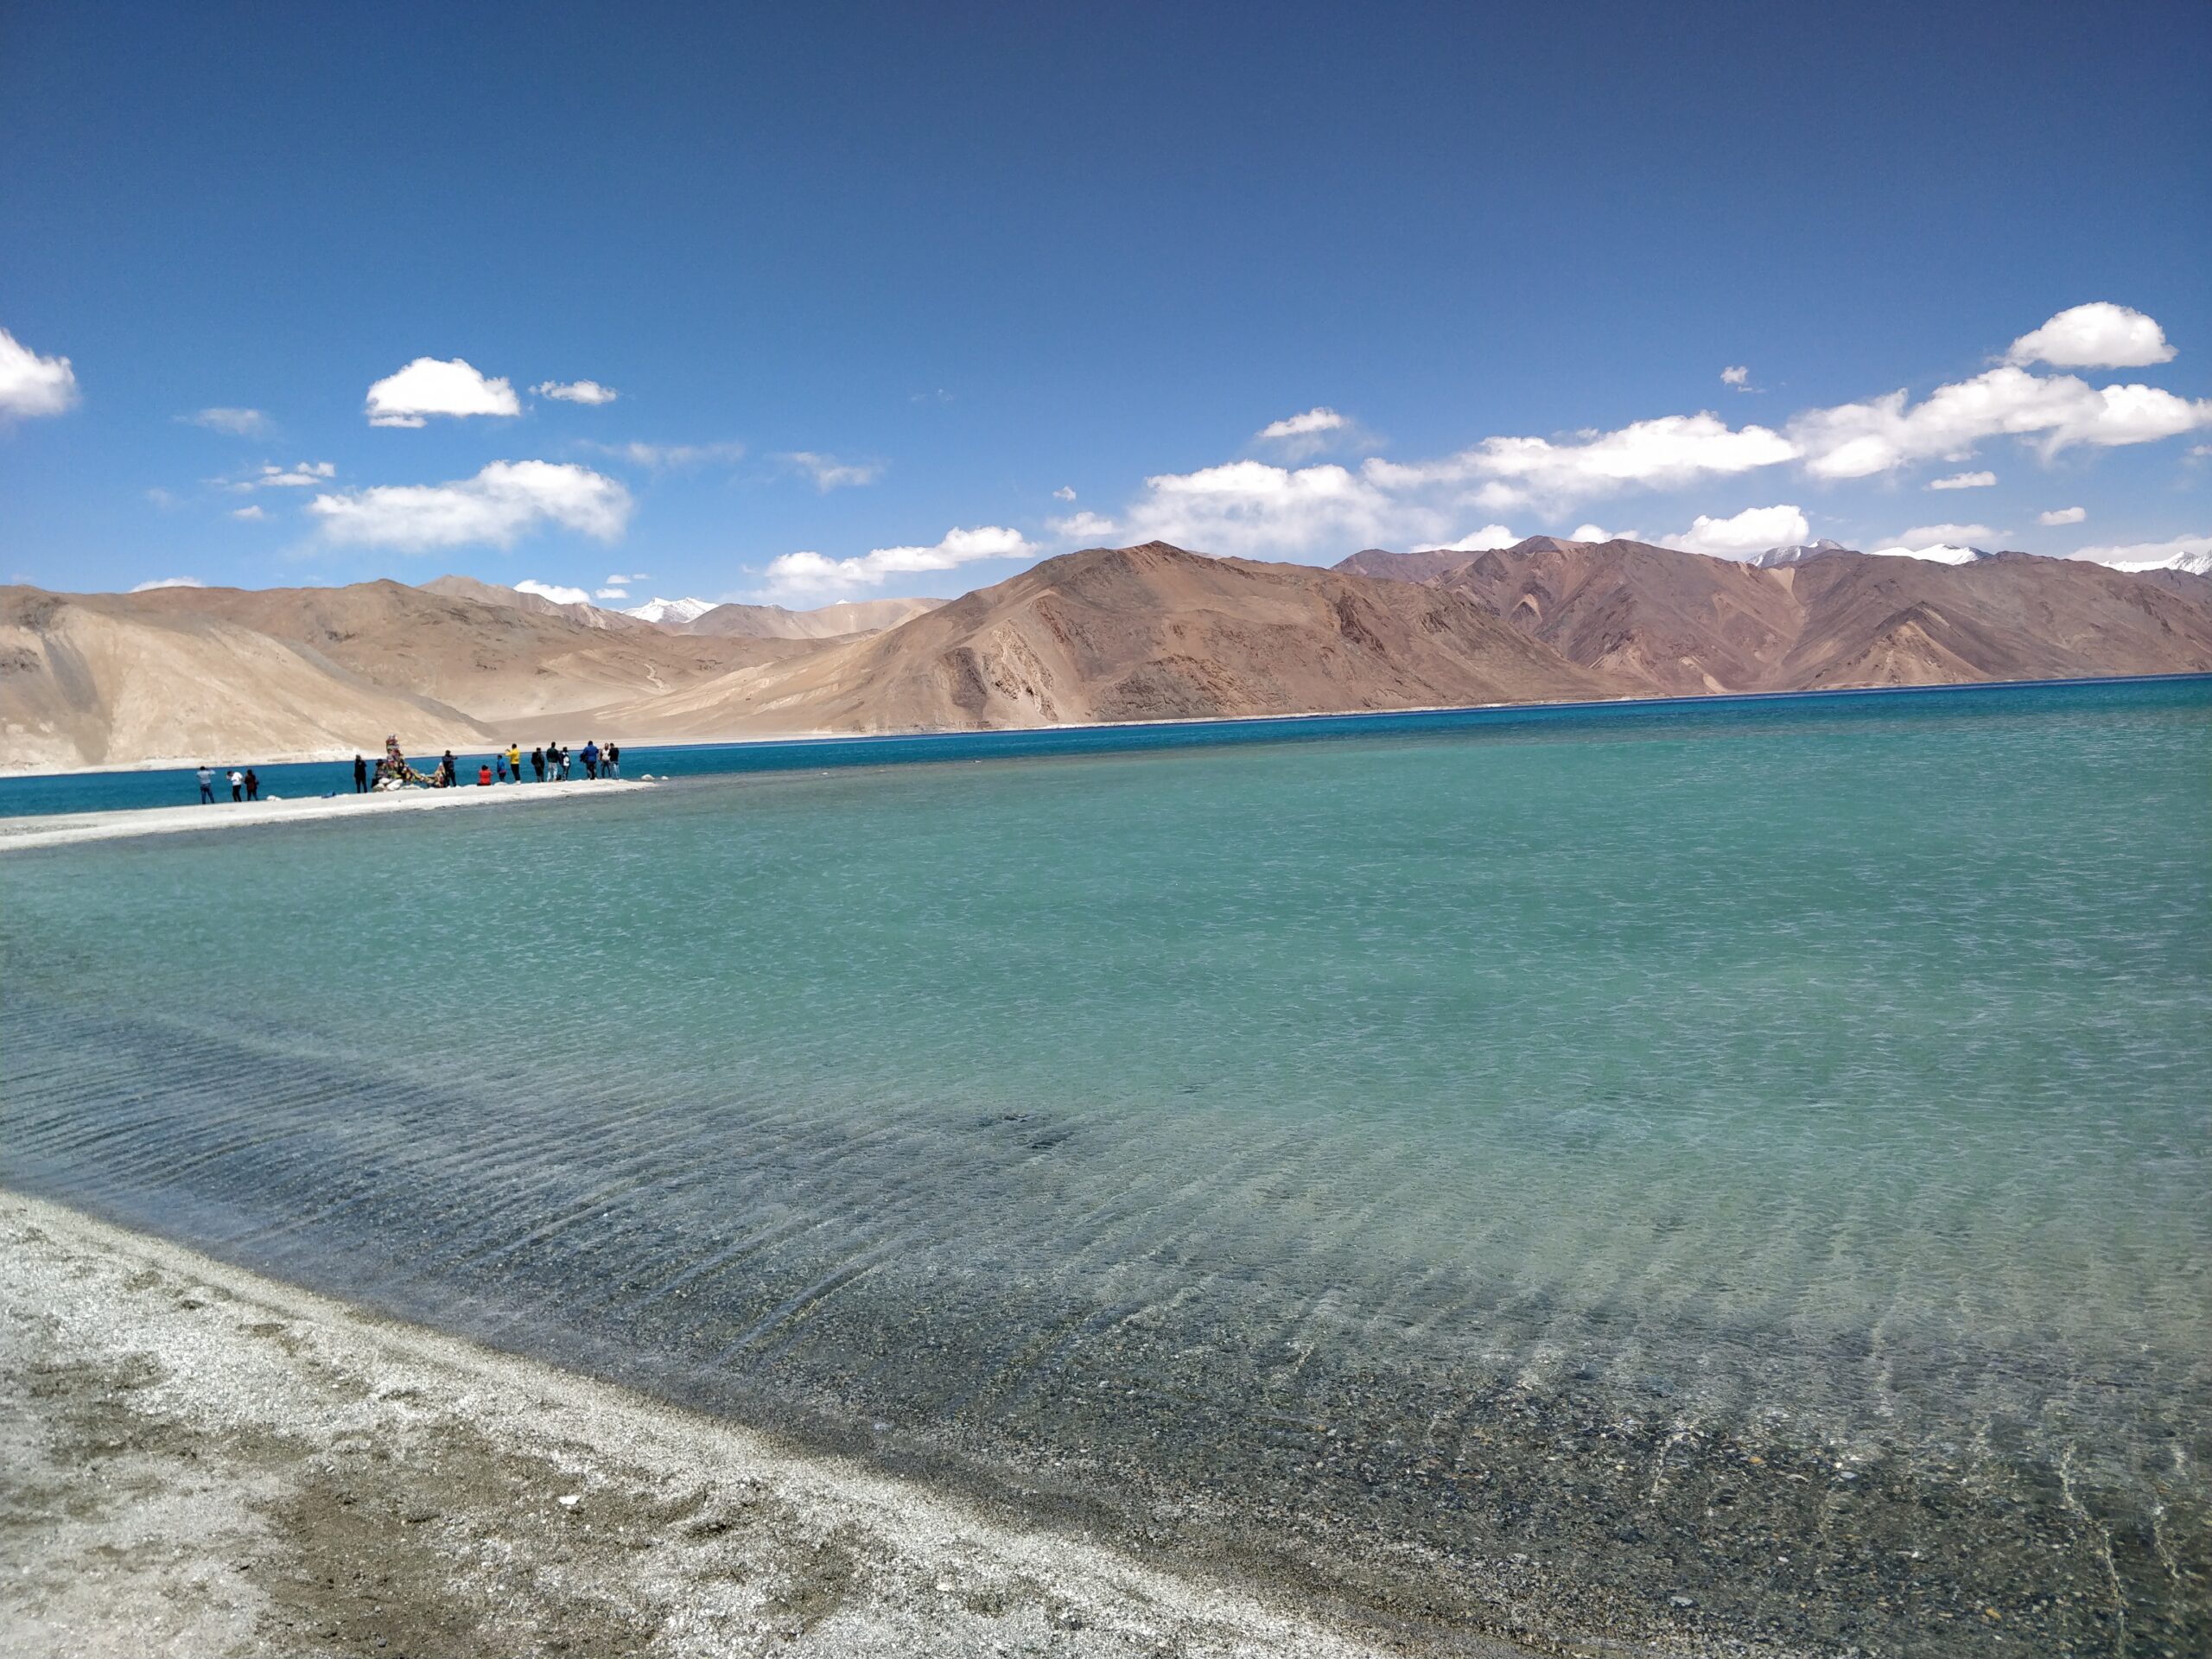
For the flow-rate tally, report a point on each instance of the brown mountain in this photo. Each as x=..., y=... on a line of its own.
x=502, y=663
x=1149, y=633
x=87, y=681
x=827, y=622
x=1679, y=624
x=513, y=599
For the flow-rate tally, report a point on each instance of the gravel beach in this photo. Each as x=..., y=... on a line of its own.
x=195, y=1460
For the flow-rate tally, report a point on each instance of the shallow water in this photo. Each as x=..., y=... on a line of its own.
x=1532, y=1176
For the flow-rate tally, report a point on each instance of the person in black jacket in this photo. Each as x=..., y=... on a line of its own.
x=360, y=776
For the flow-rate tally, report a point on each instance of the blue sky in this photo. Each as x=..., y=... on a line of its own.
x=926, y=293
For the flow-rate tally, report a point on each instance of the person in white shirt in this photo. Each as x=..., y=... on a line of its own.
x=237, y=785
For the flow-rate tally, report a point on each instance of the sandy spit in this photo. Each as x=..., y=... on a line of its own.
x=195, y=1460
x=60, y=828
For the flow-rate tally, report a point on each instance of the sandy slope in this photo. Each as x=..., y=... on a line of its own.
x=195, y=1461
x=81, y=683
x=827, y=622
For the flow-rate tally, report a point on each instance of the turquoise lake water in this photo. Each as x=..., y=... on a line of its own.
x=1746, y=1173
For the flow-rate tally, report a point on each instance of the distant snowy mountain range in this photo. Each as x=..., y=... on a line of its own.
x=679, y=611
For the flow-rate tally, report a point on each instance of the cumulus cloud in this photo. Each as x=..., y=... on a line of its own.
x=1963, y=481
x=559, y=596
x=618, y=580
x=252, y=512
x=575, y=391
x=31, y=386
x=503, y=502
x=610, y=593
x=1667, y=452
x=168, y=581
x=1252, y=507
x=2100, y=335
x=1476, y=541
x=304, y=475
x=432, y=386
x=1737, y=375
x=1065, y=493
x=1297, y=436
x=1094, y=527
x=827, y=473
x=1753, y=531
x=1600, y=533
x=1860, y=440
x=669, y=457
x=814, y=575
x=238, y=422
x=2183, y=552
x=1947, y=536
x=2063, y=516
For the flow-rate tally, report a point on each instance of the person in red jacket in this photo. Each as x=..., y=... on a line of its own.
x=484, y=775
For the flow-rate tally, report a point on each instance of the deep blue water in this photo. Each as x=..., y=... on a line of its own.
x=111, y=791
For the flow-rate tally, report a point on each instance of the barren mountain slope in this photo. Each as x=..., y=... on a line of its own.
x=84, y=684
x=840, y=620
x=1681, y=623
x=1897, y=621
x=1146, y=632
x=502, y=663
x=513, y=599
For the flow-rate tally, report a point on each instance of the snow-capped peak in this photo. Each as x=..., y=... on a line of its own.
x=671, y=610
x=1941, y=553
x=1798, y=555
x=2197, y=563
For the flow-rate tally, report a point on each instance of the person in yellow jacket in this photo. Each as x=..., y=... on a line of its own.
x=514, y=761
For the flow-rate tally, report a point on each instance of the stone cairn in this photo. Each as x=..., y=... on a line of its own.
x=394, y=773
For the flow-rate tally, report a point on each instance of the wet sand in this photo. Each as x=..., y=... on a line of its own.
x=196, y=1460
x=62, y=829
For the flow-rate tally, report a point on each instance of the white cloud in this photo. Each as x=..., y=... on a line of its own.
x=1298, y=437
x=2098, y=336
x=168, y=581
x=548, y=590
x=1753, y=531
x=1600, y=533
x=1065, y=493
x=1859, y=440
x=669, y=457
x=238, y=422
x=502, y=502
x=2183, y=552
x=1669, y=451
x=1737, y=375
x=1476, y=541
x=429, y=386
x=830, y=474
x=31, y=386
x=300, y=475
x=1251, y=507
x=610, y=593
x=575, y=391
x=252, y=512
x=1947, y=536
x=1963, y=481
x=813, y=576
x=617, y=580
x=2063, y=516
x=1093, y=527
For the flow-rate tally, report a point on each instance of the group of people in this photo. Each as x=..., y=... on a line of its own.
x=553, y=762
x=245, y=785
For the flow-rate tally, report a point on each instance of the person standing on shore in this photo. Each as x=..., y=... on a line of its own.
x=500, y=761
x=538, y=764
x=360, y=776
x=206, y=785
x=564, y=765
x=237, y=785
x=253, y=785
x=611, y=762
x=591, y=760
x=452, y=769
x=514, y=762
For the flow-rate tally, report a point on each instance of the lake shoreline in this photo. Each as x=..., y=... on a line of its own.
x=67, y=829
x=206, y=1460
